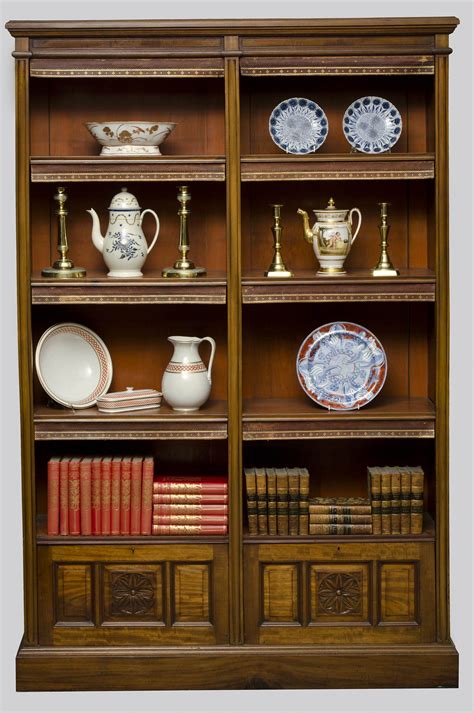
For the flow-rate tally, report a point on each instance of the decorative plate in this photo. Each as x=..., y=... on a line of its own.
x=372, y=124
x=73, y=365
x=298, y=126
x=341, y=366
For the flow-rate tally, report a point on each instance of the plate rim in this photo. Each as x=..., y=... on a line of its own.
x=293, y=153
x=44, y=384
x=372, y=96
x=339, y=408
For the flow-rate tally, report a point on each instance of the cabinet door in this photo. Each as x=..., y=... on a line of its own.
x=160, y=594
x=348, y=593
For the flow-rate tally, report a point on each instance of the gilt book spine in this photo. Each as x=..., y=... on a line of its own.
x=115, y=496
x=251, y=489
x=189, y=519
x=272, y=501
x=396, y=502
x=340, y=529
x=171, y=484
x=282, y=501
x=321, y=519
x=189, y=529
x=375, y=491
x=189, y=498
x=74, y=495
x=178, y=509
x=136, y=496
x=64, y=496
x=294, y=500
x=85, y=476
x=147, y=496
x=334, y=506
x=125, y=495
x=262, y=507
x=386, y=488
x=95, y=496
x=303, y=526
x=405, y=500
x=53, y=496
x=106, y=494
x=417, y=487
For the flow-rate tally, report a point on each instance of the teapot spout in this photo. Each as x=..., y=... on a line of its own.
x=308, y=233
x=97, y=237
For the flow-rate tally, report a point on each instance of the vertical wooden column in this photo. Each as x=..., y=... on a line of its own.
x=24, y=339
x=442, y=340
x=234, y=338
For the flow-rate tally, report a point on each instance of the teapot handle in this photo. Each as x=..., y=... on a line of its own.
x=148, y=210
x=355, y=210
x=213, y=351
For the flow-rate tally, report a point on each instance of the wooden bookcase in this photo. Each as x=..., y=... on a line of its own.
x=236, y=611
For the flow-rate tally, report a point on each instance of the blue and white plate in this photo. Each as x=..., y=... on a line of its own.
x=372, y=124
x=341, y=365
x=298, y=125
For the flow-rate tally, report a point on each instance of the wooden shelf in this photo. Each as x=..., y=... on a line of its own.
x=53, y=169
x=97, y=288
x=412, y=285
x=385, y=417
x=335, y=167
x=209, y=423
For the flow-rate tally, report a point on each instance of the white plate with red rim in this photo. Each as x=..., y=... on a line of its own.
x=73, y=365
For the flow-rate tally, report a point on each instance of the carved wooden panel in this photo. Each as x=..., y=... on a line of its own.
x=339, y=592
x=281, y=591
x=398, y=591
x=191, y=596
x=133, y=593
x=73, y=594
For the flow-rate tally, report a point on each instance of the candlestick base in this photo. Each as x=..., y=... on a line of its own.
x=63, y=273
x=278, y=273
x=385, y=272
x=183, y=269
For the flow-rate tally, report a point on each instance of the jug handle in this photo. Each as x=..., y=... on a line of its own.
x=213, y=351
x=355, y=210
x=148, y=210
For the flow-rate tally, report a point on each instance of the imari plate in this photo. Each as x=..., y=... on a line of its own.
x=298, y=125
x=372, y=124
x=341, y=366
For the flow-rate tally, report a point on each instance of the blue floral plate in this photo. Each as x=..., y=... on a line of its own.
x=372, y=124
x=341, y=366
x=298, y=126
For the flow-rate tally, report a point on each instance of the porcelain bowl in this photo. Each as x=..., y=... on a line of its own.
x=130, y=137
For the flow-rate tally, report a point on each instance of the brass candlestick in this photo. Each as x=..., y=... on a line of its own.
x=384, y=267
x=277, y=267
x=62, y=268
x=183, y=267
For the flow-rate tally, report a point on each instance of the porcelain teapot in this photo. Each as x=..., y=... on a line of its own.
x=186, y=383
x=124, y=247
x=331, y=236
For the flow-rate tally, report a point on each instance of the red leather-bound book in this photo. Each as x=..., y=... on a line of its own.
x=115, y=496
x=95, y=504
x=147, y=494
x=190, y=520
x=125, y=494
x=85, y=475
x=74, y=490
x=189, y=529
x=201, y=485
x=184, y=509
x=53, y=496
x=136, y=496
x=190, y=499
x=64, y=496
x=105, y=494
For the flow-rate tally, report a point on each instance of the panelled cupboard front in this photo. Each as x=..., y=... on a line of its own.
x=237, y=611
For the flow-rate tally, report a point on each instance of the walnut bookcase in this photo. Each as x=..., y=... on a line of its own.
x=238, y=612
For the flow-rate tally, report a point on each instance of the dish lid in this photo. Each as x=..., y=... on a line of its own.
x=123, y=397
x=124, y=200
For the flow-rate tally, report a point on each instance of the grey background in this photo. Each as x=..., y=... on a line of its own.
x=461, y=129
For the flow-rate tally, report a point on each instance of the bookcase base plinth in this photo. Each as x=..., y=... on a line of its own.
x=236, y=667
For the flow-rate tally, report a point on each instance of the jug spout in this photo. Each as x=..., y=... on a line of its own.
x=308, y=233
x=97, y=237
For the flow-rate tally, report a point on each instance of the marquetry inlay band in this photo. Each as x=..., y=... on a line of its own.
x=333, y=434
x=336, y=175
x=319, y=71
x=128, y=299
x=123, y=176
x=343, y=297
x=126, y=435
x=131, y=72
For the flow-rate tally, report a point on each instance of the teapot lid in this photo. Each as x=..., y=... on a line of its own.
x=124, y=200
x=331, y=208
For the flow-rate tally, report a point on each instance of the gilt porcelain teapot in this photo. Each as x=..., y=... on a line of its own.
x=331, y=236
x=124, y=247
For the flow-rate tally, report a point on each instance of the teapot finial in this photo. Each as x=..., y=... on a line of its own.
x=331, y=204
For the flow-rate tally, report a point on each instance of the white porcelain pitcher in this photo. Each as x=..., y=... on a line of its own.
x=124, y=247
x=186, y=382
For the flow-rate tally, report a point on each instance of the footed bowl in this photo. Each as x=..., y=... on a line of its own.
x=131, y=138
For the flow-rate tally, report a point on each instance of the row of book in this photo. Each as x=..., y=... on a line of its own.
x=397, y=500
x=340, y=516
x=277, y=501
x=190, y=505
x=100, y=496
